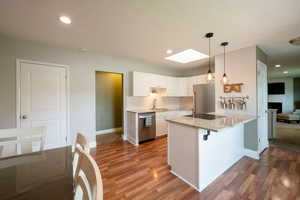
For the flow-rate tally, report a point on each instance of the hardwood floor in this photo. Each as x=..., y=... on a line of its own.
x=109, y=138
x=288, y=136
x=142, y=172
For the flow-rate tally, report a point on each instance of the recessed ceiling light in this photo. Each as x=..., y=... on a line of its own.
x=285, y=72
x=187, y=56
x=65, y=19
x=277, y=66
x=169, y=51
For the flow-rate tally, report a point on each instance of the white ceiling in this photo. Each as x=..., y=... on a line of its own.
x=145, y=29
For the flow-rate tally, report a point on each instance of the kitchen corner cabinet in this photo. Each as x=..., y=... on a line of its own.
x=162, y=124
x=175, y=86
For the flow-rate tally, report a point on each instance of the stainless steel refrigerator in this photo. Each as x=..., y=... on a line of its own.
x=204, y=98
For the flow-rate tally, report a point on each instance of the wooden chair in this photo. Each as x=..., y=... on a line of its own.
x=21, y=140
x=82, y=143
x=87, y=181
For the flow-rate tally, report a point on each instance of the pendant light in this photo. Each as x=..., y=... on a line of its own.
x=224, y=78
x=209, y=73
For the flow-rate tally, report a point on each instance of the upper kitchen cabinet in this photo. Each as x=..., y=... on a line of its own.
x=141, y=84
x=182, y=87
x=172, y=89
x=175, y=86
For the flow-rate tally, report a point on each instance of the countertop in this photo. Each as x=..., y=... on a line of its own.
x=229, y=120
x=147, y=110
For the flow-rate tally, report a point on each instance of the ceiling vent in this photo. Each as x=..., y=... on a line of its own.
x=295, y=41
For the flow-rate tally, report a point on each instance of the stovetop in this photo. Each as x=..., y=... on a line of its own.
x=205, y=116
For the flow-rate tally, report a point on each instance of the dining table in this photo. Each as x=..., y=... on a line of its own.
x=41, y=175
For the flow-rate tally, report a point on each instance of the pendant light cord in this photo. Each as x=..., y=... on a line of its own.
x=209, y=53
x=224, y=60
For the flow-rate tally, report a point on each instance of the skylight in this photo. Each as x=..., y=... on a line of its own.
x=187, y=56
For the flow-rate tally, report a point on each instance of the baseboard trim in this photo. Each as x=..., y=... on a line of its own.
x=187, y=182
x=132, y=141
x=107, y=131
x=161, y=136
x=123, y=137
x=252, y=154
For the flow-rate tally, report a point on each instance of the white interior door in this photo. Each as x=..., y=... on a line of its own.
x=262, y=105
x=43, y=101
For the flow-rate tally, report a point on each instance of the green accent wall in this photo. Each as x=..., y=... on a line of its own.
x=297, y=93
x=109, y=100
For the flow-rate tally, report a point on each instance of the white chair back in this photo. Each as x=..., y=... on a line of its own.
x=82, y=142
x=21, y=140
x=87, y=181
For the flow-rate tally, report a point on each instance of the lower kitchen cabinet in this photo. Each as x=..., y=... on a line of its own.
x=160, y=121
x=162, y=124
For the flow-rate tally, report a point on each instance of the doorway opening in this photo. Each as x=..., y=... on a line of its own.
x=109, y=107
x=284, y=103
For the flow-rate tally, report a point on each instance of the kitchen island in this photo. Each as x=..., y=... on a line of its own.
x=200, y=150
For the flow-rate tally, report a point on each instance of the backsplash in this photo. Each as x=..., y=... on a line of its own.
x=185, y=103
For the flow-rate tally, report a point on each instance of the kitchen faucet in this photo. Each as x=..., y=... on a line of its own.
x=154, y=104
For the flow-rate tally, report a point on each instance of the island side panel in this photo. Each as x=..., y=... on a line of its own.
x=183, y=153
x=217, y=154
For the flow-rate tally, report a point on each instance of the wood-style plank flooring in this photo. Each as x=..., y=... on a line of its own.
x=142, y=172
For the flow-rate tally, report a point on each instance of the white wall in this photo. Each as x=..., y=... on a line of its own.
x=81, y=76
x=240, y=68
x=287, y=99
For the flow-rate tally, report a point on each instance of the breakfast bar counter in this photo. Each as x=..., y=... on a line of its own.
x=201, y=148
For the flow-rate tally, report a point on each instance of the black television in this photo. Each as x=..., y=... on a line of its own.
x=276, y=88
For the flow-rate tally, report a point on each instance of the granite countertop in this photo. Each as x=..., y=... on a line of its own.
x=148, y=110
x=229, y=120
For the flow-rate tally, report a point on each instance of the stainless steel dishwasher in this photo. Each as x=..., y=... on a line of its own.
x=147, y=127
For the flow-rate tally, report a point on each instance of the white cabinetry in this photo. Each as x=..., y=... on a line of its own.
x=182, y=87
x=162, y=124
x=141, y=83
x=175, y=86
x=171, y=86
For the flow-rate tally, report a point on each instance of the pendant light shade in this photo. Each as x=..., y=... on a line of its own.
x=209, y=73
x=225, y=77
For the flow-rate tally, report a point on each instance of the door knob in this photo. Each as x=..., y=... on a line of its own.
x=24, y=116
